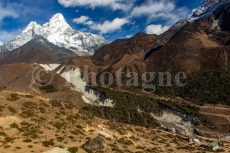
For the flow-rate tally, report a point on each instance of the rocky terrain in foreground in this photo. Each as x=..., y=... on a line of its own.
x=34, y=123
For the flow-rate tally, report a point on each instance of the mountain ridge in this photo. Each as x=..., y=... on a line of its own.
x=37, y=50
x=207, y=8
x=58, y=32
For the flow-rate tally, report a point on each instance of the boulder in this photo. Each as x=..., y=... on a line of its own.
x=94, y=144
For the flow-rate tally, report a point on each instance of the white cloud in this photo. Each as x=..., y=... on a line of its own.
x=105, y=27
x=159, y=9
x=7, y=11
x=85, y=20
x=152, y=7
x=114, y=4
x=156, y=29
x=165, y=11
x=81, y=19
x=110, y=26
x=20, y=9
x=12, y=10
x=6, y=36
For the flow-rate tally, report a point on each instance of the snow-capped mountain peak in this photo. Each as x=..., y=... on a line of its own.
x=57, y=21
x=32, y=27
x=207, y=8
x=60, y=33
x=57, y=17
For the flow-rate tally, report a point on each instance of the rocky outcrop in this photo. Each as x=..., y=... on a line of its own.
x=95, y=144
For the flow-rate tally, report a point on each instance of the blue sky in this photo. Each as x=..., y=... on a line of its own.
x=114, y=19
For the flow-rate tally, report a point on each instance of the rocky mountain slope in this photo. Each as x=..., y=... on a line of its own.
x=29, y=78
x=110, y=54
x=58, y=32
x=200, y=48
x=183, y=46
x=38, y=50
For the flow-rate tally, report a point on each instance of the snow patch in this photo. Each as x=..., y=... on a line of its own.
x=173, y=119
x=49, y=67
x=74, y=77
x=89, y=96
x=207, y=8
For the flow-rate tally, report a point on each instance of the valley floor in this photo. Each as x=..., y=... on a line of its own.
x=32, y=123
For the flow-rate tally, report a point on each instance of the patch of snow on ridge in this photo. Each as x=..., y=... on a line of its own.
x=49, y=67
x=74, y=77
x=207, y=8
x=175, y=120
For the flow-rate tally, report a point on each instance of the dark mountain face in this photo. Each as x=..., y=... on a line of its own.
x=112, y=53
x=183, y=53
x=224, y=19
x=187, y=46
x=38, y=50
x=199, y=45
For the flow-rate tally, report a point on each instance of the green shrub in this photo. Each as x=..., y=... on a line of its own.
x=73, y=149
x=124, y=142
x=12, y=110
x=48, y=88
x=60, y=139
x=27, y=113
x=8, y=139
x=115, y=149
x=1, y=108
x=48, y=143
x=2, y=133
x=127, y=106
x=14, y=125
x=205, y=87
x=59, y=125
x=29, y=130
x=30, y=105
x=27, y=140
x=13, y=97
x=136, y=109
